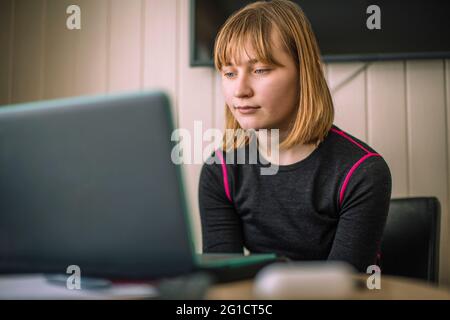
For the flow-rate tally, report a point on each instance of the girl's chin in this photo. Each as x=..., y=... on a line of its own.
x=247, y=125
x=251, y=127
x=254, y=124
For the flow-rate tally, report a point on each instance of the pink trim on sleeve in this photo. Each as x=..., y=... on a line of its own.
x=349, y=174
x=224, y=175
x=356, y=165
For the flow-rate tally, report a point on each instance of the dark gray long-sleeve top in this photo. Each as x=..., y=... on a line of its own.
x=331, y=205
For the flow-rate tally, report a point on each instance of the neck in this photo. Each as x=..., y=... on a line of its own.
x=269, y=148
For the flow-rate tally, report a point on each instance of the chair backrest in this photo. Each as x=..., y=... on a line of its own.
x=410, y=244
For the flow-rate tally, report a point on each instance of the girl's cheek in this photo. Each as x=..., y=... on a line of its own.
x=228, y=94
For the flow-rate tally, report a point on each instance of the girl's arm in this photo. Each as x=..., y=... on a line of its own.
x=363, y=215
x=221, y=225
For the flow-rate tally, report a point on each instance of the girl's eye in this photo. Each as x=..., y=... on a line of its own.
x=228, y=74
x=261, y=71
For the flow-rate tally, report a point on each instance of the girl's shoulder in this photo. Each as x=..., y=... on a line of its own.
x=353, y=157
x=343, y=146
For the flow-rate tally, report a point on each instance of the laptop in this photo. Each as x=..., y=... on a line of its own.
x=89, y=182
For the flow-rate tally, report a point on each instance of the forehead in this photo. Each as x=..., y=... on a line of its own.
x=246, y=54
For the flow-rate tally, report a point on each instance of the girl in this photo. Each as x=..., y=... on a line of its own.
x=330, y=197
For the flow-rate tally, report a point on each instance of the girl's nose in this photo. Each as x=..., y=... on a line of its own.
x=243, y=87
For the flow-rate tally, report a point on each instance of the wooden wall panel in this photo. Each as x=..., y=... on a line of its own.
x=446, y=271
x=195, y=100
x=29, y=46
x=161, y=48
x=387, y=132
x=6, y=45
x=125, y=51
x=91, y=52
x=349, y=97
x=60, y=44
x=426, y=116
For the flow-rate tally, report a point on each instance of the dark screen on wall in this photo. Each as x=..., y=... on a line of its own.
x=409, y=28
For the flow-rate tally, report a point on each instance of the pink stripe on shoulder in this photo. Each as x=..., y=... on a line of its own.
x=341, y=133
x=350, y=173
x=356, y=165
x=224, y=174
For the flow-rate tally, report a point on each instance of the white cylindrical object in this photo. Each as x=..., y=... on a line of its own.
x=305, y=280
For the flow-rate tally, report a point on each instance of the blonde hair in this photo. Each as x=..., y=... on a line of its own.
x=254, y=23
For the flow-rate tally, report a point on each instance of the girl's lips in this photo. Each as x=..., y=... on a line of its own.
x=247, y=110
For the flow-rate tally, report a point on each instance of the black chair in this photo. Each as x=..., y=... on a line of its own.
x=410, y=244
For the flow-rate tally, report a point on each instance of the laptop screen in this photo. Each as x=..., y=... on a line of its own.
x=90, y=182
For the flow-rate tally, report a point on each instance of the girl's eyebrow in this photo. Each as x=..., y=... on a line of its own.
x=250, y=62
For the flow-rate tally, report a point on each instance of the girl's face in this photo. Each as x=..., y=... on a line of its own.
x=262, y=96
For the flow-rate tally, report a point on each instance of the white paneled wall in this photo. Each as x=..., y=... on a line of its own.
x=401, y=108
x=28, y=50
x=6, y=37
x=125, y=45
x=91, y=62
x=195, y=103
x=348, y=86
x=161, y=42
x=386, y=108
x=59, y=60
